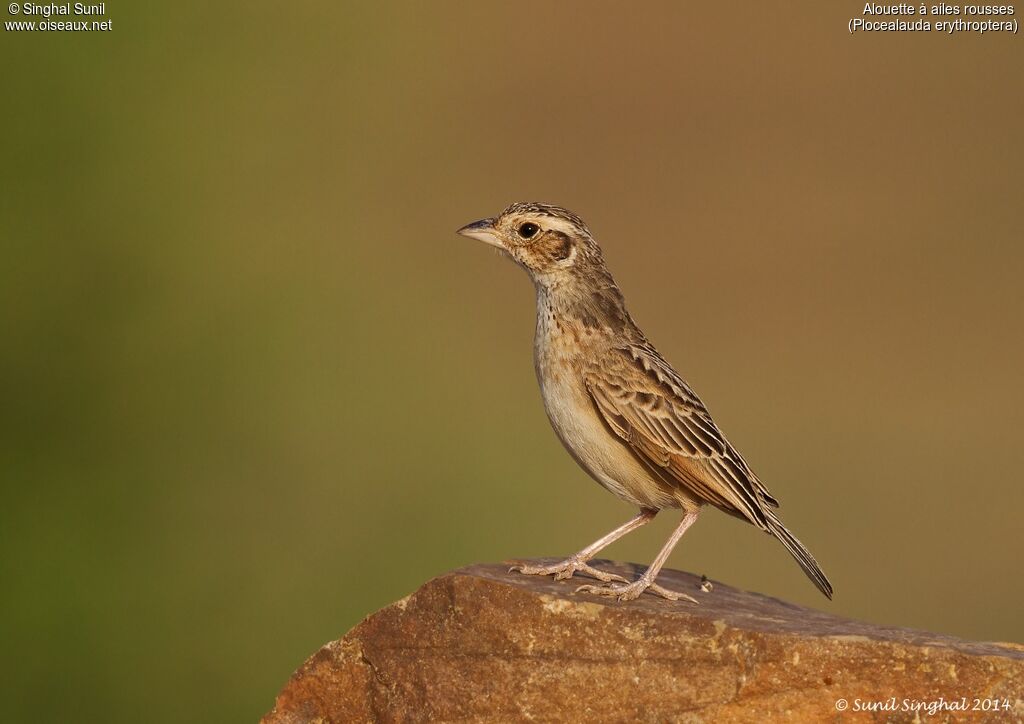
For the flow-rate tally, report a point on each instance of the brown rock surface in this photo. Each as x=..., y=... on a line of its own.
x=481, y=644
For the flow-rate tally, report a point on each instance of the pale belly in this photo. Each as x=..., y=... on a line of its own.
x=594, y=446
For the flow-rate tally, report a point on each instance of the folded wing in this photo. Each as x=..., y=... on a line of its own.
x=646, y=404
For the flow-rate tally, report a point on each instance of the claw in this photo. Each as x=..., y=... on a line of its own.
x=631, y=591
x=566, y=569
x=671, y=595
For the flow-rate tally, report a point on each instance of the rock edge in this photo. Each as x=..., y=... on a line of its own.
x=481, y=644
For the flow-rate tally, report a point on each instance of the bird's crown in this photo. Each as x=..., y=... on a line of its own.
x=521, y=208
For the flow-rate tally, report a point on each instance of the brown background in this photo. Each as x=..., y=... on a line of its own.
x=254, y=387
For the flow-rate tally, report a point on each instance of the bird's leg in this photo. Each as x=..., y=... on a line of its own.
x=629, y=591
x=578, y=562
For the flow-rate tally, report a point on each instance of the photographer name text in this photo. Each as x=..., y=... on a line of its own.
x=53, y=9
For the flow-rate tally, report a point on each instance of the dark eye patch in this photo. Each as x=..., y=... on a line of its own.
x=562, y=247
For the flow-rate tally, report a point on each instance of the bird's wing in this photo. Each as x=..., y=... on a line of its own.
x=646, y=403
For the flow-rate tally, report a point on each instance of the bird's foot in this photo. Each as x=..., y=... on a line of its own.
x=566, y=569
x=630, y=591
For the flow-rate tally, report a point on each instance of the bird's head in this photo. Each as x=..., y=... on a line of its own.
x=551, y=243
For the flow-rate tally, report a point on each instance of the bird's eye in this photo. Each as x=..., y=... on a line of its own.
x=528, y=230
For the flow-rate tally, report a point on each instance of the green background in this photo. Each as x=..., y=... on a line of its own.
x=254, y=387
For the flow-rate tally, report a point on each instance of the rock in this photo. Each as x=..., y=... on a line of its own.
x=482, y=644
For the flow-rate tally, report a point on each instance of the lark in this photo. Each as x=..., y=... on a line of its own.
x=623, y=413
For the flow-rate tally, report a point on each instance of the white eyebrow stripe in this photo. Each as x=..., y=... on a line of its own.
x=562, y=225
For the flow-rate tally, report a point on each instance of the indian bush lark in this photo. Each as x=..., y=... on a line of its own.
x=619, y=408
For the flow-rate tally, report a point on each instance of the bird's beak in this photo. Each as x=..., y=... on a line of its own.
x=482, y=230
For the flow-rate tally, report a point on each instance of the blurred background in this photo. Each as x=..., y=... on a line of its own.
x=254, y=387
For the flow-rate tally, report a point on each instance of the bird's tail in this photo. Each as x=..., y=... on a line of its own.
x=801, y=554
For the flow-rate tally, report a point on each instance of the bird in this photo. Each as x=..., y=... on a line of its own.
x=619, y=408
